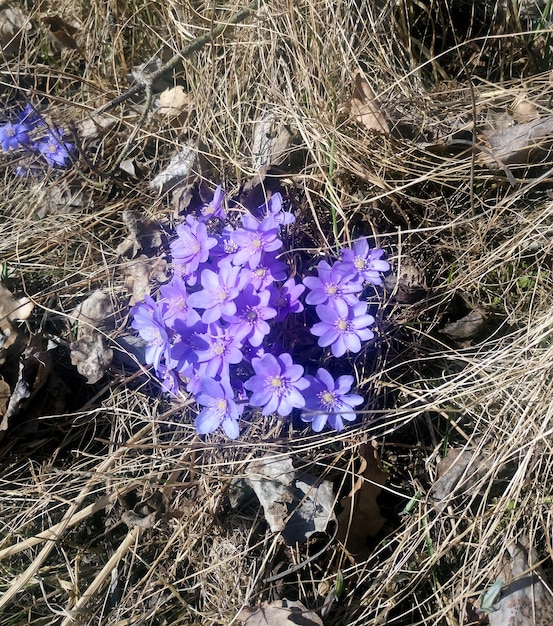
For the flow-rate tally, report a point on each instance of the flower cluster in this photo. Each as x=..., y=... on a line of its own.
x=29, y=133
x=214, y=326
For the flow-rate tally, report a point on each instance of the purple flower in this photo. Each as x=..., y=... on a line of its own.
x=192, y=245
x=14, y=135
x=174, y=304
x=273, y=208
x=326, y=401
x=277, y=384
x=363, y=262
x=285, y=299
x=184, y=345
x=30, y=118
x=219, y=292
x=254, y=239
x=343, y=332
x=215, y=207
x=225, y=248
x=54, y=150
x=332, y=287
x=151, y=327
x=218, y=348
x=169, y=380
x=221, y=409
x=268, y=270
x=252, y=309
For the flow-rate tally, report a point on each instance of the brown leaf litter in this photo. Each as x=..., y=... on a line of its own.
x=361, y=518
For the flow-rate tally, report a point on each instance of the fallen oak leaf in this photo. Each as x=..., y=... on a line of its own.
x=174, y=101
x=279, y=613
x=525, y=598
x=363, y=105
x=143, y=234
x=11, y=310
x=295, y=503
x=361, y=518
x=90, y=353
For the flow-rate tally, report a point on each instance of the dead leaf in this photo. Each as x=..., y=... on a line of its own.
x=279, y=613
x=519, y=144
x=525, y=111
x=410, y=286
x=62, y=33
x=360, y=518
x=179, y=167
x=11, y=310
x=13, y=24
x=364, y=106
x=295, y=503
x=525, y=598
x=140, y=272
x=90, y=353
x=5, y=393
x=144, y=234
x=271, y=142
x=468, y=327
x=174, y=102
x=459, y=470
x=34, y=369
x=93, y=313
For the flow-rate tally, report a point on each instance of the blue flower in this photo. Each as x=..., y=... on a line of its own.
x=215, y=207
x=54, y=150
x=363, y=262
x=221, y=408
x=174, y=303
x=149, y=323
x=254, y=239
x=333, y=287
x=12, y=136
x=252, y=311
x=268, y=270
x=219, y=292
x=285, y=299
x=328, y=401
x=192, y=245
x=277, y=384
x=273, y=208
x=218, y=349
x=343, y=332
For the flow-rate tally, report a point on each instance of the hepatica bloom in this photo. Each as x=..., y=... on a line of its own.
x=332, y=287
x=218, y=349
x=219, y=292
x=174, y=303
x=327, y=401
x=268, y=270
x=273, y=208
x=192, y=245
x=252, y=311
x=363, y=262
x=254, y=239
x=54, y=150
x=343, y=332
x=14, y=135
x=149, y=323
x=215, y=207
x=277, y=384
x=285, y=299
x=220, y=408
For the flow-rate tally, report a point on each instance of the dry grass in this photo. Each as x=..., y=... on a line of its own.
x=65, y=553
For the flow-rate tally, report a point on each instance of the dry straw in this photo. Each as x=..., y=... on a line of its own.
x=116, y=512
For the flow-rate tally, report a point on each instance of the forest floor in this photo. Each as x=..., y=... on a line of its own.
x=425, y=128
